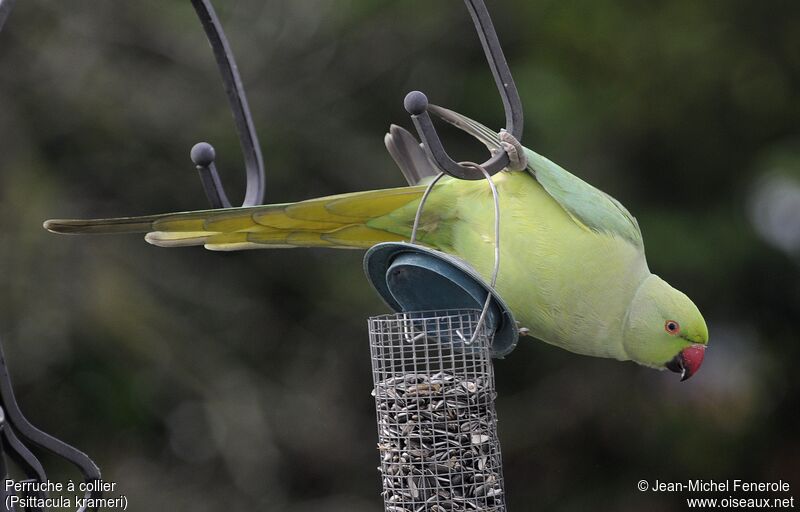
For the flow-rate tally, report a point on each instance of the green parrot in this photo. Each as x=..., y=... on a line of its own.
x=573, y=268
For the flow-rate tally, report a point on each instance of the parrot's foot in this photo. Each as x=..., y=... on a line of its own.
x=516, y=154
x=524, y=331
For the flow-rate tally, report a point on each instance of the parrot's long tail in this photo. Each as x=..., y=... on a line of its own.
x=341, y=221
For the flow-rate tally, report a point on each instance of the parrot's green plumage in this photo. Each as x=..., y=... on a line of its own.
x=573, y=268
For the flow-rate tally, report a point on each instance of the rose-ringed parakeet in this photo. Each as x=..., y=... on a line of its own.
x=573, y=268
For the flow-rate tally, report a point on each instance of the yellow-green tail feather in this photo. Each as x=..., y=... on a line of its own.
x=339, y=221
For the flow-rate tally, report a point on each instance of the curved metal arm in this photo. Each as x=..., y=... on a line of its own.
x=203, y=154
x=416, y=103
x=13, y=422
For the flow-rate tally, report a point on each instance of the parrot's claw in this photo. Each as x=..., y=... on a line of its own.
x=516, y=154
x=524, y=331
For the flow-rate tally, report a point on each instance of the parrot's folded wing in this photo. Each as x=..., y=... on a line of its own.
x=586, y=205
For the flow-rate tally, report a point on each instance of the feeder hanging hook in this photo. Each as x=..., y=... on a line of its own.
x=203, y=154
x=416, y=103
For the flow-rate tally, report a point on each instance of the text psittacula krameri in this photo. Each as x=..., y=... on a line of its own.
x=573, y=268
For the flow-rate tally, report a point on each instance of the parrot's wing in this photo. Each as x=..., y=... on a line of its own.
x=408, y=155
x=588, y=206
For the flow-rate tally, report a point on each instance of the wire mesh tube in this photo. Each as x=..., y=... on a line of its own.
x=437, y=426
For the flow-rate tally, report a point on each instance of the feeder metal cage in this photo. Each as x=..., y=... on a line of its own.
x=437, y=426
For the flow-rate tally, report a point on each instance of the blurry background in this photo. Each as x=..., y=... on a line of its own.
x=203, y=381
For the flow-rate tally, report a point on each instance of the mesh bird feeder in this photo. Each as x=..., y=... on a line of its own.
x=434, y=397
x=433, y=380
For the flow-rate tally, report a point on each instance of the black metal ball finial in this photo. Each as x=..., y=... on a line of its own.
x=203, y=154
x=415, y=103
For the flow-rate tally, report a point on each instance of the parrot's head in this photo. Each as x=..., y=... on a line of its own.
x=664, y=329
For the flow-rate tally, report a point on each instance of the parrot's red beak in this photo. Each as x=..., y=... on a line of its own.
x=688, y=361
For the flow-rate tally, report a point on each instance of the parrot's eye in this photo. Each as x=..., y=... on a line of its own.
x=672, y=327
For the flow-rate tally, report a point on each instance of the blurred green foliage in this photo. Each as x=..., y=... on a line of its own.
x=203, y=381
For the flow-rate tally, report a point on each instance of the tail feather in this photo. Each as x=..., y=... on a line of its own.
x=337, y=221
x=100, y=226
x=180, y=239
